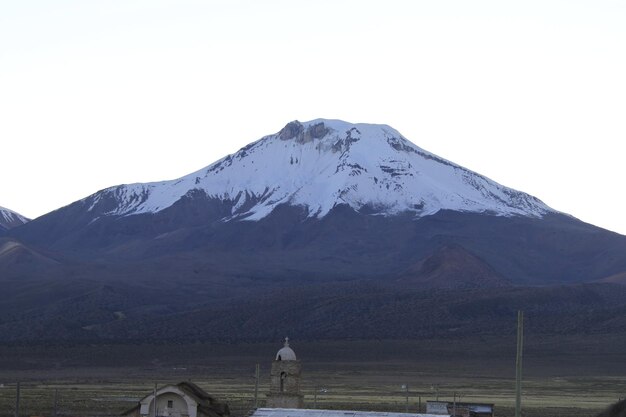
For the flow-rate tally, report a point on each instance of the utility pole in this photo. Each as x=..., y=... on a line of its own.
x=518, y=364
x=256, y=386
x=155, y=400
x=454, y=405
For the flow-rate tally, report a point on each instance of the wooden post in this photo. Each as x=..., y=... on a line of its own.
x=518, y=364
x=419, y=404
x=56, y=402
x=256, y=386
x=17, y=400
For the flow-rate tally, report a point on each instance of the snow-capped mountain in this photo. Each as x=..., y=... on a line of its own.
x=323, y=163
x=10, y=219
x=319, y=200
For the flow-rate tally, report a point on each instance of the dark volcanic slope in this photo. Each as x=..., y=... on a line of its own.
x=372, y=312
x=325, y=312
x=344, y=244
x=348, y=274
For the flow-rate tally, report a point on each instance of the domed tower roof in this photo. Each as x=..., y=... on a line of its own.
x=286, y=353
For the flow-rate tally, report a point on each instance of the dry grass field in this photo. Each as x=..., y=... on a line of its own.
x=565, y=386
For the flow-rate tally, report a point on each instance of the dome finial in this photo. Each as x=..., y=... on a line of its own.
x=286, y=353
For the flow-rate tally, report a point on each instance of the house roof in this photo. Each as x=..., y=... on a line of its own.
x=206, y=402
x=303, y=412
x=196, y=392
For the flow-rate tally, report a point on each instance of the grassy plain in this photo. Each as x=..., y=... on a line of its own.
x=106, y=380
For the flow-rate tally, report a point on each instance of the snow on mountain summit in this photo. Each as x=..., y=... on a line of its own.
x=322, y=163
x=10, y=219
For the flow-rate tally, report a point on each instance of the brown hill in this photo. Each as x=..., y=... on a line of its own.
x=14, y=254
x=452, y=267
x=616, y=278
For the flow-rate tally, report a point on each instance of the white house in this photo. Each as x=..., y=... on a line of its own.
x=185, y=399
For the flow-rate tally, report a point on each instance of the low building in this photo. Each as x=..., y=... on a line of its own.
x=185, y=399
x=459, y=409
x=307, y=412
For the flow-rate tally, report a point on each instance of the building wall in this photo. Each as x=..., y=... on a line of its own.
x=291, y=379
x=182, y=404
x=285, y=385
x=285, y=401
x=179, y=406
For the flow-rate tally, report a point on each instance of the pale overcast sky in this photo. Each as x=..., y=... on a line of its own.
x=530, y=93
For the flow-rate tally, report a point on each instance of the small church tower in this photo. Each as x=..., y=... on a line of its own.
x=285, y=380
